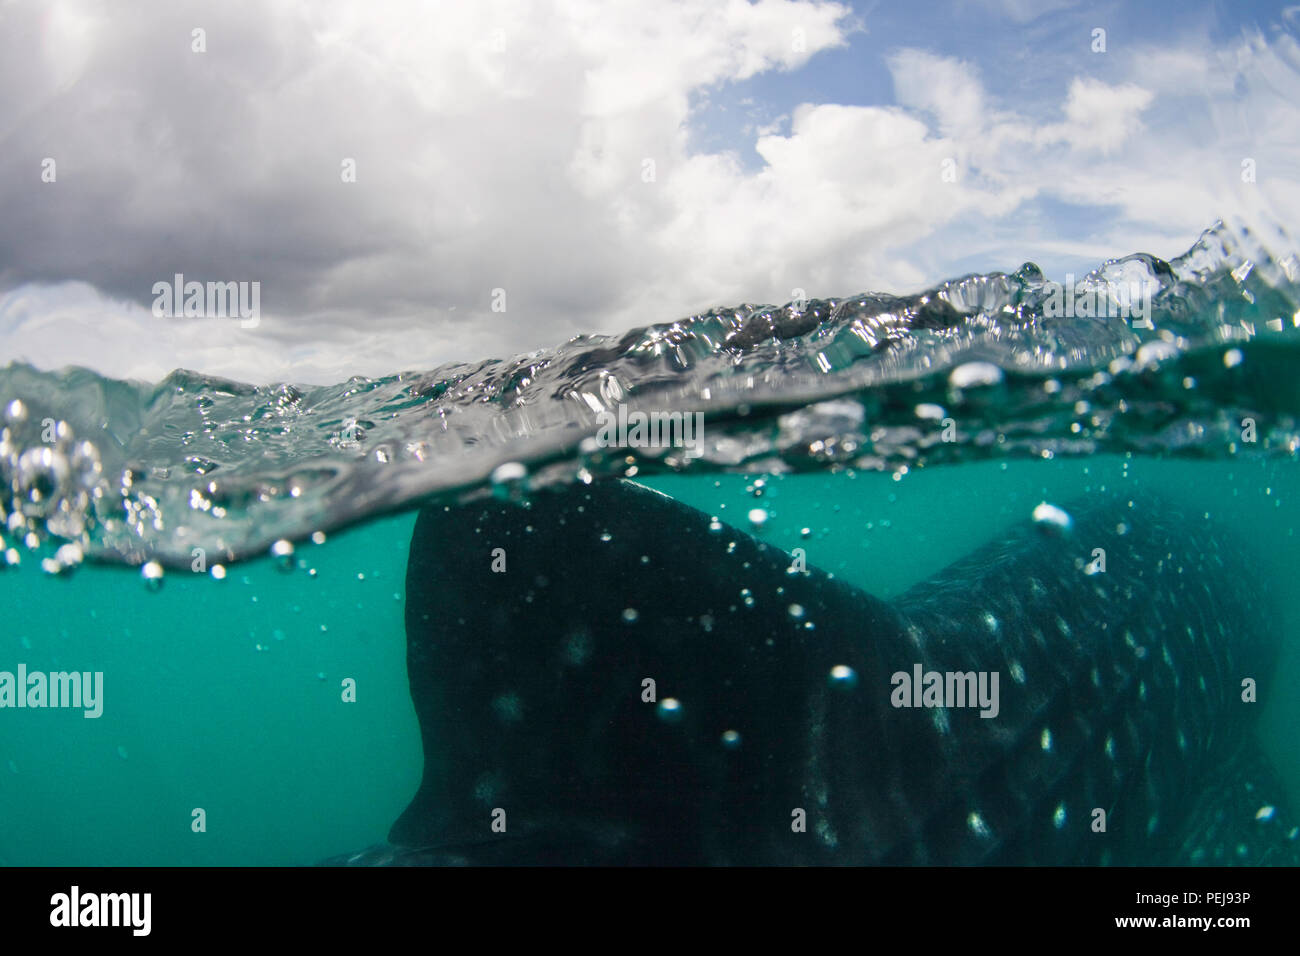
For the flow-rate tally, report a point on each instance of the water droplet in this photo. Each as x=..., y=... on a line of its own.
x=730, y=739
x=630, y=615
x=757, y=517
x=796, y=611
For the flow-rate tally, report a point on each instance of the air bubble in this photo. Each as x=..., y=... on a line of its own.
x=974, y=374
x=282, y=551
x=510, y=471
x=1052, y=520
x=152, y=572
x=844, y=677
x=509, y=480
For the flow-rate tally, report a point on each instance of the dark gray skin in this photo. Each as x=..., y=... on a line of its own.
x=1119, y=690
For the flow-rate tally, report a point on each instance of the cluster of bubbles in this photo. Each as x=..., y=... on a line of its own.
x=53, y=484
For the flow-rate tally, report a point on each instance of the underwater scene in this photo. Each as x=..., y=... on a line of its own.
x=777, y=433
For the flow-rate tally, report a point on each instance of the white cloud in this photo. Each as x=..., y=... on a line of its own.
x=505, y=145
x=947, y=88
x=1099, y=116
x=1023, y=11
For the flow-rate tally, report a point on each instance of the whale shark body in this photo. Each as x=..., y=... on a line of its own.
x=603, y=675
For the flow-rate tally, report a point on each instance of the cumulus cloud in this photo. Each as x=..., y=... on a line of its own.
x=946, y=88
x=497, y=146
x=1099, y=116
x=537, y=154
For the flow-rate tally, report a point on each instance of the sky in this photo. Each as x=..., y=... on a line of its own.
x=413, y=183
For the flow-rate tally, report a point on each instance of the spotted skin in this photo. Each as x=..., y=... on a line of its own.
x=1120, y=692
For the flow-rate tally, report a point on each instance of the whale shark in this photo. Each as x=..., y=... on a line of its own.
x=605, y=676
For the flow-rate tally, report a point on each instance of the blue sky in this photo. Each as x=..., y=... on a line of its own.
x=1028, y=61
x=502, y=150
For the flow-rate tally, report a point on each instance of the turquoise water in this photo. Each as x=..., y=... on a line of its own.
x=226, y=694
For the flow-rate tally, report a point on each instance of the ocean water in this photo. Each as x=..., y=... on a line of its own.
x=888, y=436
